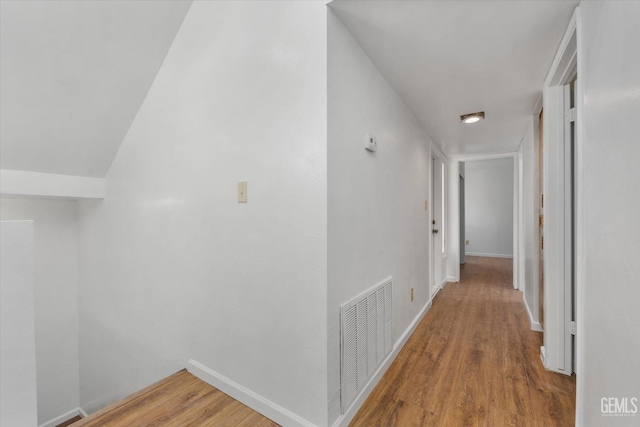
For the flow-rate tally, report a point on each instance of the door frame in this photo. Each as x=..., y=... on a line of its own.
x=462, y=208
x=557, y=353
x=436, y=153
x=454, y=212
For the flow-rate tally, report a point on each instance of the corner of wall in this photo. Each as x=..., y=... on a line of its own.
x=535, y=326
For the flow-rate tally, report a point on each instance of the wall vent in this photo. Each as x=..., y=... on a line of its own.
x=367, y=328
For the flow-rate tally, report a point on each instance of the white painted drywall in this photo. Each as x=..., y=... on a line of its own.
x=18, y=396
x=172, y=266
x=56, y=300
x=489, y=207
x=529, y=148
x=608, y=294
x=446, y=58
x=74, y=74
x=377, y=224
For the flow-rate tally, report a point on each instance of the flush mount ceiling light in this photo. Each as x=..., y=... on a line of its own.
x=472, y=118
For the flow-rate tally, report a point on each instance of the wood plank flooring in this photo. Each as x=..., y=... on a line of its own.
x=179, y=400
x=472, y=361
x=71, y=421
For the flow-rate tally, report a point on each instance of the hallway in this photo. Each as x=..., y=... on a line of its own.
x=472, y=361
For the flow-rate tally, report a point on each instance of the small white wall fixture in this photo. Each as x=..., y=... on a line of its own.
x=557, y=354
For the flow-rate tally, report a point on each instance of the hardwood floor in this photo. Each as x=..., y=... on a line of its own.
x=179, y=400
x=473, y=361
x=70, y=422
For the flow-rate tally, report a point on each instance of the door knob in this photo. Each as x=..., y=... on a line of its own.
x=434, y=231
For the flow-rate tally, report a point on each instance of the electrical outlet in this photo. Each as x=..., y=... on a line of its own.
x=242, y=192
x=466, y=242
x=411, y=294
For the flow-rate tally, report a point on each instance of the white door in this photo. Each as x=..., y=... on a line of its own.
x=436, y=223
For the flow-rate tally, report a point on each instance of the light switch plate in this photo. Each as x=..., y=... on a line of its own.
x=370, y=143
x=242, y=192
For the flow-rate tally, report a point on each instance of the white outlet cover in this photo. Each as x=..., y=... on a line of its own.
x=370, y=143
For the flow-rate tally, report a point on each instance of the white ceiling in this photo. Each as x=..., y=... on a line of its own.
x=448, y=58
x=488, y=163
x=73, y=75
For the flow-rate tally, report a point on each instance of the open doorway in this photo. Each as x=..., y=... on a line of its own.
x=487, y=208
x=562, y=214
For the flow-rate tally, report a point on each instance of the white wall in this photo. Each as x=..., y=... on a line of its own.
x=172, y=267
x=489, y=207
x=377, y=225
x=18, y=396
x=609, y=319
x=56, y=300
x=529, y=148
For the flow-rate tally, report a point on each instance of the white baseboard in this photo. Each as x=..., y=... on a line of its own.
x=64, y=417
x=258, y=403
x=535, y=326
x=283, y=416
x=344, y=419
x=434, y=293
x=490, y=255
x=444, y=282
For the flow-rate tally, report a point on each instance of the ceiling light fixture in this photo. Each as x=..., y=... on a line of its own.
x=472, y=118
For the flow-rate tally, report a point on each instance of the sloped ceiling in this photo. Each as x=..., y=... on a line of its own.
x=73, y=75
x=448, y=58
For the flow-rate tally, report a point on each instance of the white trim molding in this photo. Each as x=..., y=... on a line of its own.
x=282, y=415
x=64, y=417
x=36, y=184
x=444, y=282
x=580, y=228
x=258, y=403
x=535, y=326
x=489, y=255
x=557, y=195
